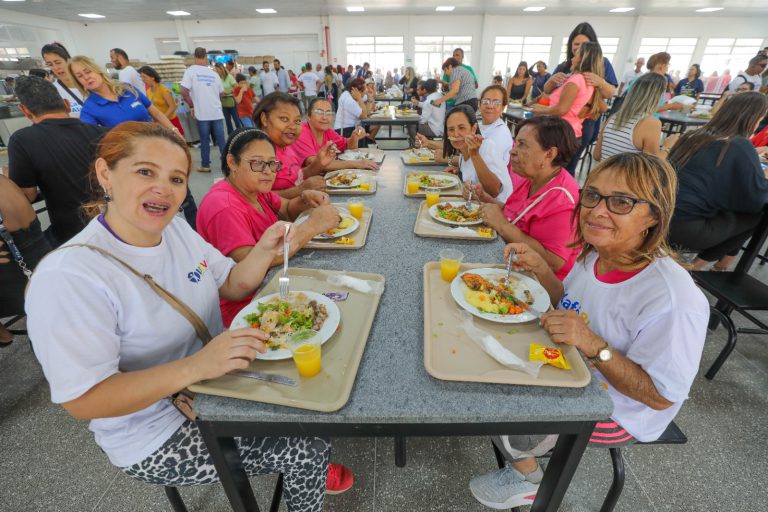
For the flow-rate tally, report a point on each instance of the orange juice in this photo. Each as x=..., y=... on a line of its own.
x=433, y=197
x=413, y=186
x=308, y=360
x=356, y=209
x=449, y=269
x=365, y=186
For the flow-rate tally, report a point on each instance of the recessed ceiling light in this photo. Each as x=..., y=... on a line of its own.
x=709, y=9
x=266, y=11
x=356, y=8
x=14, y=0
x=177, y=13
x=444, y=8
x=92, y=16
x=534, y=9
x=622, y=9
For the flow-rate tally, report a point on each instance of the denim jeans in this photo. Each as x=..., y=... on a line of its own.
x=205, y=128
x=247, y=122
x=230, y=113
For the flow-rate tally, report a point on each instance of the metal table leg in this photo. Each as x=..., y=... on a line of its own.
x=400, y=452
x=230, y=469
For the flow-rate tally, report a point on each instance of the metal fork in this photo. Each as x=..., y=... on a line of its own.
x=468, y=203
x=509, y=263
x=284, y=281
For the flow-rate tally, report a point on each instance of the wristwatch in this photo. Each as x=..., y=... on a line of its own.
x=603, y=355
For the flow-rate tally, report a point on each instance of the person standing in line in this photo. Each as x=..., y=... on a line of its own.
x=254, y=81
x=283, y=80
x=632, y=75
x=57, y=57
x=127, y=74
x=462, y=88
x=269, y=82
x=228, y=99
x=160, y=95
x=244, y=98
x=201, y=89
x=310, y=83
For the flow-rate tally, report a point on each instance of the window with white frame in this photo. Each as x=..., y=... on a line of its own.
x=509, y=51
x=609, y=46
x=731, y=54
x=8, y=54
x=431, y=51
x=679, y=48
x=381, y=52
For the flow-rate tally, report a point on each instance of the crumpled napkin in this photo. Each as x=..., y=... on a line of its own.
x=360, y=285
x=457, y=230
x=496, y=350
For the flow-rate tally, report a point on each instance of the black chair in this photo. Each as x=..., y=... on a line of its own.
x=672, y=435
x=177, y=504
x=734, y=291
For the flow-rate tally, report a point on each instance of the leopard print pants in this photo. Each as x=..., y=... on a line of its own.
x=184, y=460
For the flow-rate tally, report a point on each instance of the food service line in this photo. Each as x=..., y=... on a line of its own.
x=393, y=395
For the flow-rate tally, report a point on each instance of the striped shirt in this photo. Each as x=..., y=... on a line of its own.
x=617, y=141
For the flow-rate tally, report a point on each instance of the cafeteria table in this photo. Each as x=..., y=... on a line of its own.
x=393, y=395
x=515, y=116
x=678, y=122
x=391, y=121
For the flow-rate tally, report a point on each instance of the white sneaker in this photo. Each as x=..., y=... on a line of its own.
x=503, y=488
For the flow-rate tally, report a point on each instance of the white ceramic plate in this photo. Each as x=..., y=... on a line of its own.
x=361, y=154
x=433, y=214
x=540, y=295
x=326, y=331
x=450, y=181
x=355, y=183
x=343, y=232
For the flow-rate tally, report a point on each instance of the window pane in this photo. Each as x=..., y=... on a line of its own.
x=720, y=42
x=359, y=40
x=389, y=40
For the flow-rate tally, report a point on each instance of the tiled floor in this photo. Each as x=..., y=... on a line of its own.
x=49, y=462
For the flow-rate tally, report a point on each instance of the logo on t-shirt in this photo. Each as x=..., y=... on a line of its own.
x=196, y=275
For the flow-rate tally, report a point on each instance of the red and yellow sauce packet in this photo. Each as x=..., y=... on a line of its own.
x=343, y=240
x=548, y=355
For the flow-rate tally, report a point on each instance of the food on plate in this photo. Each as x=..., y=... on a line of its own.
x=281, y=318
x=343, y=180
x=344, y=223
x=496, y=298
x=433, y=180
x=548, y=355
x=413, y=156
x=343, y=240
x=458, y=213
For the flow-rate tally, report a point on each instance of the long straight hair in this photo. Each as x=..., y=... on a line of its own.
x=592, y=62
x=737, y=118
x=582, y=29
x=641, y=100
x=89, y=64
x=469, y=113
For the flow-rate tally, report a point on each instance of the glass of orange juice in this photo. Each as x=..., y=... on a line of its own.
x=413, y=184
x=450, y=262
x=433, y=196
x=365, y=182
x=307, y=354
x=355, y=208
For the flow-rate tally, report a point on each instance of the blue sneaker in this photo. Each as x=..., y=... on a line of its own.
x=503, y=488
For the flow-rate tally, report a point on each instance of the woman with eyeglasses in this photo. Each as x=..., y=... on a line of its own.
x=279, y=116
x=493, y=101
x=627, y=305
x=317, y=131
x=238, y=209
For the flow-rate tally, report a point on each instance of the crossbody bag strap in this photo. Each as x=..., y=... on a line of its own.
x=171, y=299
x=15, y=252
x=74, y=96
x=539, y=199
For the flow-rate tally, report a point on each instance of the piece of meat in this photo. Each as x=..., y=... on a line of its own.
x=476, y=282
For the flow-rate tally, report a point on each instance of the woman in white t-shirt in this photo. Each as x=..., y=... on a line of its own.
x=477, y=158
x=626, y=305
x=57, y=57
x=352, y=109
x=112, y=349
x=493, y=101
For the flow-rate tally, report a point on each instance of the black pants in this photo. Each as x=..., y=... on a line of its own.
x=589, y=132
x=347, y=133
x=33, y=246
x=714, y=238
x=472, y=102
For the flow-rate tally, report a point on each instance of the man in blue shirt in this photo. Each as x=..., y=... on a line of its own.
x=282, y=76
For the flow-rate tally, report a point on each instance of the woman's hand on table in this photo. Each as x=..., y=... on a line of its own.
x=451, y=169
x=324, y=217
x=313, y=183
x=365, y=164
x=492, y=215
x=525, y=259
x=230, y=350
x=567, y=327
x=315, y=198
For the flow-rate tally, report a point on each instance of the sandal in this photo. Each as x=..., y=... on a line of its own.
x=6, y=337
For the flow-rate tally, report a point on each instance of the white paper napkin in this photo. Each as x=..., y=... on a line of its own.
x=360, y=285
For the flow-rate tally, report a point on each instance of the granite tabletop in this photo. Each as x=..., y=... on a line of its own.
x=681, y=117
x=392, y=385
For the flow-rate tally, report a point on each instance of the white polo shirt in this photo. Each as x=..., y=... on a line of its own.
x=205, y=88
x=498, y=131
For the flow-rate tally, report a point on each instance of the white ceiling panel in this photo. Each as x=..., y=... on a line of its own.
x=155, y=10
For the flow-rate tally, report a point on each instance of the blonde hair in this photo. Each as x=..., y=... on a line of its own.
x=90, y=64
x=592, y=62
x=641, y=100
x=648, y=178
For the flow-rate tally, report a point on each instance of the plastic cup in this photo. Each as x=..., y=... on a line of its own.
x=355, y=209
x=450, y=262
x=413, y=185
x=307, y=354
x=433, y=196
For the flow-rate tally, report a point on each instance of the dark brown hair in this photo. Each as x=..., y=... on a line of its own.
x=554, y=132
x=270, y=103
x=658, y=59
x=502, y=90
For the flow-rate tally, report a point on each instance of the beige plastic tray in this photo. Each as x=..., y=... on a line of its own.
x=451, y=192
x=406, y=155
x=330, y=389
x=428, y=227
x=360, y=235
x=449, y=354
x=353, y=191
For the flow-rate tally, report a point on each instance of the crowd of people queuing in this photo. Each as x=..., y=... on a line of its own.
x=605, y=252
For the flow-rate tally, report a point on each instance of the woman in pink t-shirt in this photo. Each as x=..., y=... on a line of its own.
x=237, y=210
x=539, y=212
x=279, y=116
x=577, y=99
x=317, y=131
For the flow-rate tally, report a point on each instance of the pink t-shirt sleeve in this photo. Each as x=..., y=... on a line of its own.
x=289, y=172
x=229, y=229
x=304, y=147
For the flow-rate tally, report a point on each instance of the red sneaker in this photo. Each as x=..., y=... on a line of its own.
x=340, y=479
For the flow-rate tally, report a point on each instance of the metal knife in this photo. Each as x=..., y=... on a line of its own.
x=269, y=377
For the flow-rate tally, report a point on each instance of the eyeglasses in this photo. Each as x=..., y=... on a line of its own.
x=494, y=103
x=620, y=205
x=323, y=113
x=262, y=166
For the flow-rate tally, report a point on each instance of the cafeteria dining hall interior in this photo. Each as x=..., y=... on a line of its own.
x=383, y=256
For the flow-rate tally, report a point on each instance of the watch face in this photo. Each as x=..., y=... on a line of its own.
x=604, y=354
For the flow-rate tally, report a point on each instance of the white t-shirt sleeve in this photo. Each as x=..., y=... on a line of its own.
x=186, y=81
x=494, y=159
x=669, y=349
x=218, y=264
x=75, y=340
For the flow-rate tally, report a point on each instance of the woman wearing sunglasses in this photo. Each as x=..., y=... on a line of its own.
x=626, y=305
x=317, y=131
x=238, y=209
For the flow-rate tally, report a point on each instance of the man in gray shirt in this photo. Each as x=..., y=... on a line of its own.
x=462, y=85
x=282, y=76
